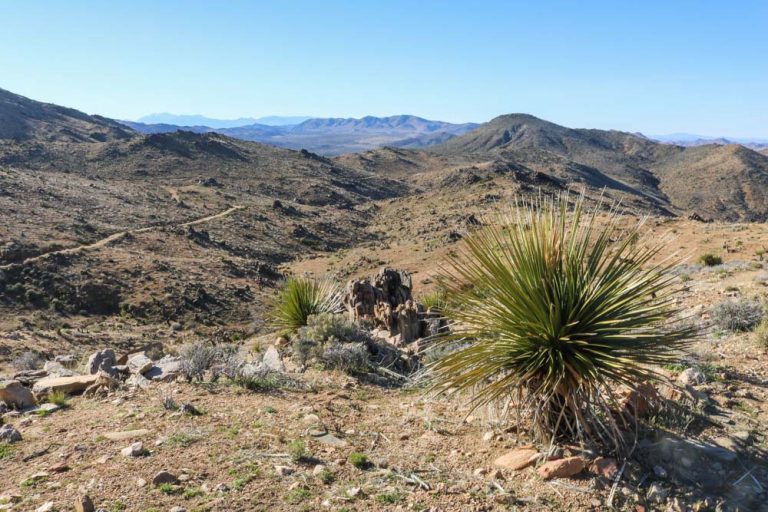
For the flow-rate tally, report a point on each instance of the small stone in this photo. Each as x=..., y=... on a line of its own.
x=562, y=468
x=178, y=509
x=45, y=507
x=84, y=504
x=8, y=434
x=318, y=469
x=353, y=491
x=659, y=471
x=221, y=488
x=691, y=377
x=488, y=437
x=656, y=493
x=480, y=471
x=311, y=419
x=140, y=482
x=272, y=359
x=126, y=434
x=606, y=467
x=517, y=459
x=283, y=470
x=59, y=467
x=135, y=450
x=164, y=477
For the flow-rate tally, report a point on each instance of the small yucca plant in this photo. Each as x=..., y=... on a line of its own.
x=559, y=309
x=300, y=297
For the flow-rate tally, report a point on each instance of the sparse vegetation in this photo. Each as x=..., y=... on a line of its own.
x=298, y=495
x=168, y=489
x=359, y=460
x=550, y=301
x=301, y=297
x=297, y=450
x=6, y=450
x=710, y=260
x=58, y=398
x=761, y=333
x=738, y=315
x=27, y=361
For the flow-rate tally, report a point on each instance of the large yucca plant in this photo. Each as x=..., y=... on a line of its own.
x=559, y=309
x=300, y=297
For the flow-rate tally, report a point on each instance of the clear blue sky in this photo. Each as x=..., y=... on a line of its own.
x=652, y=66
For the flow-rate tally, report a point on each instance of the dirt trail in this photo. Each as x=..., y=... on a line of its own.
x=119, y=235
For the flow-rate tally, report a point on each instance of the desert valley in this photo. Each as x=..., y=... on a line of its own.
x=142, y=368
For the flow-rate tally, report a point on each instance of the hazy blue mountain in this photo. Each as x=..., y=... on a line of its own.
x=197, y=120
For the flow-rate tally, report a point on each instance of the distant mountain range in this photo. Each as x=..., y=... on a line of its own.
x=196, y=120
x=690, y=139
x=326, y=136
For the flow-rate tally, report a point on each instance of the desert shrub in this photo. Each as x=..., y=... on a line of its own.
x=436, y=300
x=559, y=308
x=349, y=358
x=266, y=380
x=738, y=315
x=297, y=450
x=710, y=260
x=199, y=357
x=300, y=297
x=196, y=359
x=59, y=398
x=328, y=327
x=762, y=332
x=27, y=361
x=359, y=460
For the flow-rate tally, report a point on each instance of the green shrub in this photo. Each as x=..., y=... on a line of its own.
x=738, y=315
x=301, y=297
x=359, y=460
x=436, y=300
x=710, y=260
x=297, y=450
x=58, y=398
x=349, y=358
x=762, y=332
x=560, y=309
x=6, y=450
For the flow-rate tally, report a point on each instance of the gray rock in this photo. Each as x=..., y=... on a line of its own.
x=178, y=509
x=67, y=360
x=43, y=408
x=138, y=381
x=657, y=493
x=8, y=434
x=691, y=377
x=166, y=369
x=164, y=477
x=134, y=450
x=139, y=364
x=331, y=440
x=56, y=369
x=102, y=360
x=272, y=359
x=16, y=395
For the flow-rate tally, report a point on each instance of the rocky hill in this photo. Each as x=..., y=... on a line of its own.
x=721, y=182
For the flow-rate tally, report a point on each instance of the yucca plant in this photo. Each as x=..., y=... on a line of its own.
x=559, y=309
x=300, y=297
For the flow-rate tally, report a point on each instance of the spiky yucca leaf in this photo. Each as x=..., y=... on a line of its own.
x=558, y=308
x=300, y=297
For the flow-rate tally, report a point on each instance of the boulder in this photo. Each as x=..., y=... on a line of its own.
x=517, y=459
x=408, y=324
x=102, y=360
x=16, y=395
x=376, y=300
x=272, y=359
x=8, y=434
x=139, y=364
x=68, y=385
x=164, y=477
x=166, y=369
x=138, y=381
x=562, y=468
x=56, y=369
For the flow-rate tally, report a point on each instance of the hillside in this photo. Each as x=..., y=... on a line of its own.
x=716, y=181
x=22, y=119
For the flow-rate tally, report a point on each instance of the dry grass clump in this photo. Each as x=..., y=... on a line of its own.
x=738, y=315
